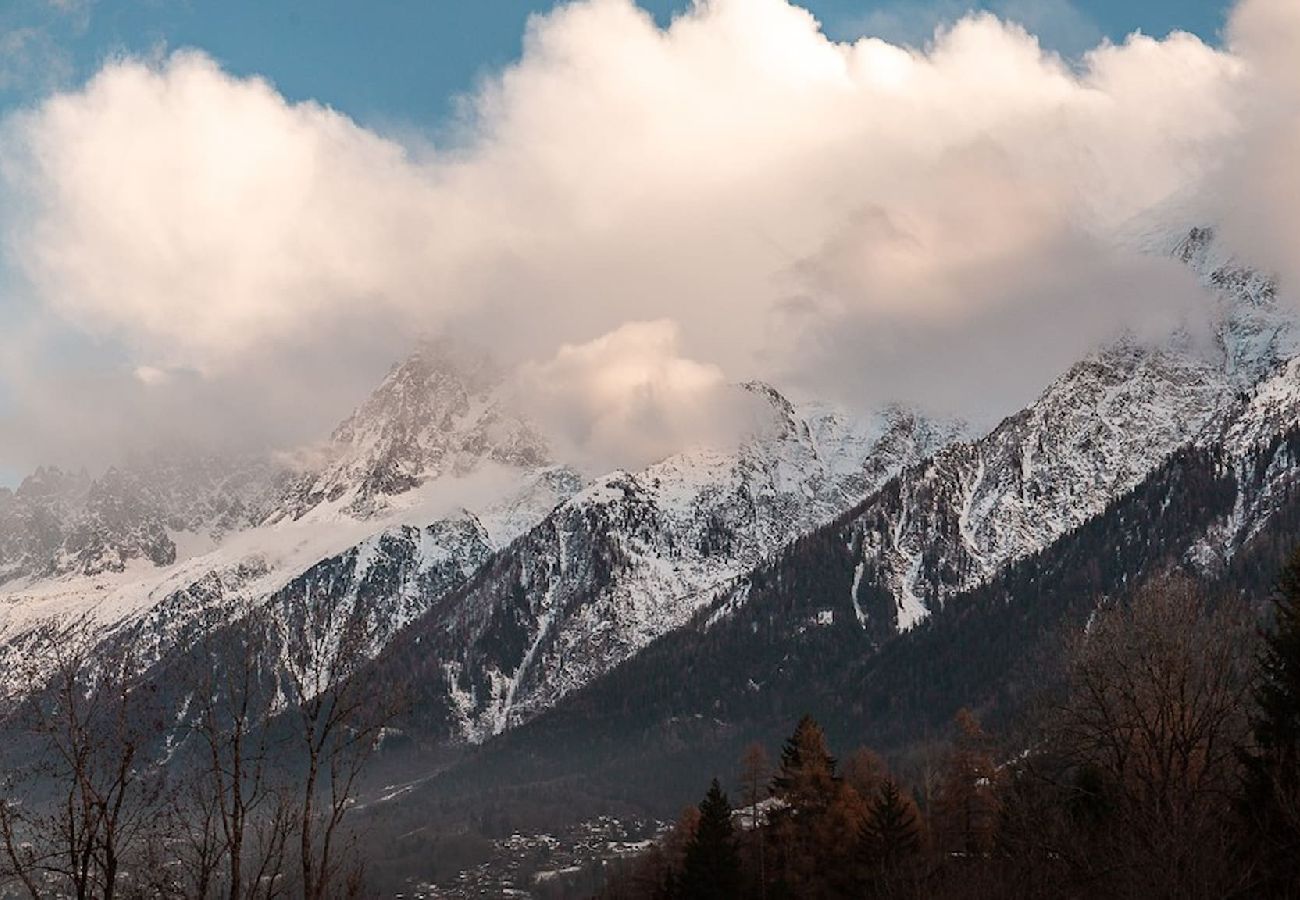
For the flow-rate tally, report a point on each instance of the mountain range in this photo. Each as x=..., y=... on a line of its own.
x=547, y=619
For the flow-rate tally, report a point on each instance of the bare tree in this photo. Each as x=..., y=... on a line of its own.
x=1141, y=744
x=236, y=812
x=75, y=821
x=340, y=718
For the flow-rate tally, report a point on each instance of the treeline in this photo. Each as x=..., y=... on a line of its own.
x=109, y=789
x=1163, y=762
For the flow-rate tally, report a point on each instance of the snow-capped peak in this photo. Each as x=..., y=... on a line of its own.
x=441, y=412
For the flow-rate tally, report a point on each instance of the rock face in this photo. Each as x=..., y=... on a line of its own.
x=958, y=518
x=636, y=554
x=59, y=523
x=439, y=413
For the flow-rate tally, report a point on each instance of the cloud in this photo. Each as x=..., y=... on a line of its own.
x=629, y=398
x=859, y=219
x=1254, y=191
x=201, y=217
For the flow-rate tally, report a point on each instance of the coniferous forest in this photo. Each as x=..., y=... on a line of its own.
x=1165, y=762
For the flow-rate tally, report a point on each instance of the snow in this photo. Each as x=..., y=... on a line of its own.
x=853, y=594
x=1093, y=434
x=252, y=564
x=438, y=443
x=678, y=533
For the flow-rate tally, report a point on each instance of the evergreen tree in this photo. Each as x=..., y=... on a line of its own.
x=1270, y=800
x=806, y=780
x=891, y=831
x=814, y=831
x=712, y=867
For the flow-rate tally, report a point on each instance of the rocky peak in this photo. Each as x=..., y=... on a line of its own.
x=50, y=483
x=441, y=412
x=1095, y=432
x=421, y=396
x=58, y=523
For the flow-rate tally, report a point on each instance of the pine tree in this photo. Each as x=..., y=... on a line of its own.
x=814, y=831
x=891, y=831
x=712, y=868
x=806, y=781
x=1270, y=798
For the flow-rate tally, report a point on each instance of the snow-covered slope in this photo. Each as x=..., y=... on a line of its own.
x=150, y=549
x=438, y=415
x=1257, y=444
x=545, y=578
x=636, y=554
x=59, y=523
x=1226, y=504
x=956, y=519
x=434, y=455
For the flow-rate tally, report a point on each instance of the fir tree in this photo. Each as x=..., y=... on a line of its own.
x=891, y=831
x=814, y=830
x=1270, y=799
x=806, y=781
x=712, y=868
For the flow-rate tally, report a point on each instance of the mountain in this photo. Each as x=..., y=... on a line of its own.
x=522, y=602
x=434, y=477
x=155, y=549
x=635, y=555
x=440, y=413
x=1223, y=507
x=61, y=523
x=1096, y=432
x=937, y=590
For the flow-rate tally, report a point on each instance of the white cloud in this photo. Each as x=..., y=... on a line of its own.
x=1060, y=24
x=629, y=398
x=835, y=213
x=202, y=217
x=1254, y=193
x=151, y=375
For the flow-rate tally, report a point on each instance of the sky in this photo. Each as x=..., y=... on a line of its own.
x=404, y=63
x=223, y=221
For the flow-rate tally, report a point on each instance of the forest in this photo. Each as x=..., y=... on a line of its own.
x=1164, y=762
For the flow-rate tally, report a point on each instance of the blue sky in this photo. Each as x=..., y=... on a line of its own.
x=402, y=63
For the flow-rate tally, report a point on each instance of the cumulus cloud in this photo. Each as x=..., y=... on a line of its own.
x=629, y=398
x=862, y=219
x=201, y=217
x=1058, y=23
x=1254, y=194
